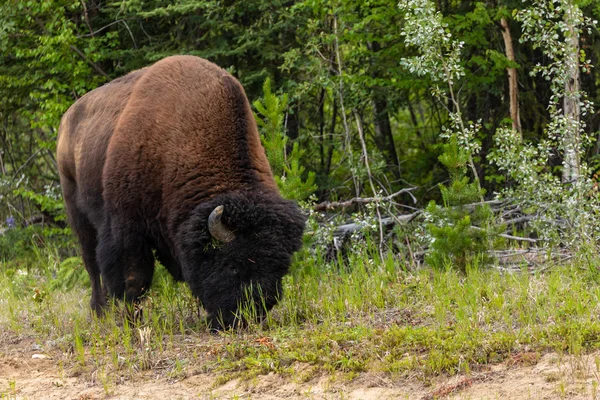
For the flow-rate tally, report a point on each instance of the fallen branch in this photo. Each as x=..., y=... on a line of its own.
x=518, y=220
x=44, y=219
x=332, y=205
x=342, y=232
x=490, y=203
x=518, y=238
x=387, y=221
x=406, y=218
x=513, y=260
x=511, y=253
x=511, y=237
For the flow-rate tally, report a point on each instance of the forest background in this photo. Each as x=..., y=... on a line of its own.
x=423, y=138
x=365, y=96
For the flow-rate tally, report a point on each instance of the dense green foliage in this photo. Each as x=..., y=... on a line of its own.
x=336, y=69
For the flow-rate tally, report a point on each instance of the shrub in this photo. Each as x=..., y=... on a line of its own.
x=291, y=178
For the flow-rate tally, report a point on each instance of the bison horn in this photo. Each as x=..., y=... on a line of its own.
x=216, y=227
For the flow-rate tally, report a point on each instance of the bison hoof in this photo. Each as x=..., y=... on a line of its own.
x=98, y=307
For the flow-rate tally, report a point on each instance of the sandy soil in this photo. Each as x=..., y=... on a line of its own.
x=27, y=373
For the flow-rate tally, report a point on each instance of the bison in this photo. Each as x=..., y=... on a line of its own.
x=166, y=162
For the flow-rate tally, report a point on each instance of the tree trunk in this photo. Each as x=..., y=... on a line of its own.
x=513, y=89
x=322, y=128
x=331, y=135
x=383, y=130
x=292, y=125
x=381, y=119
x=415, y=122
x=571, y=108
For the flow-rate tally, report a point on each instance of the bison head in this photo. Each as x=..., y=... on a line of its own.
x=235, y=250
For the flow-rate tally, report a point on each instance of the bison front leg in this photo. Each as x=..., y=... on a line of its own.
x=126, y=262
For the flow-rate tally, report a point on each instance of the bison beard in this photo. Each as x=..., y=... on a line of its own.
x=167, y=161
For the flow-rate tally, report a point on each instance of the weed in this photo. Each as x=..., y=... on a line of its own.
x=78, y=345
x=369, y=315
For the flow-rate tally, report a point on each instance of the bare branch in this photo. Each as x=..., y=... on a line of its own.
x=329, y=206
x=31, y=158
x=86, y=16
x=387, y=221
x=348, y=141
x=92, y=33
x=90, y=62
x=511, y=237
x=368, y=166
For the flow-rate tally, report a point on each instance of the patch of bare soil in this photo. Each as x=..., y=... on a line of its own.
x=28, y=373
x=551, y=377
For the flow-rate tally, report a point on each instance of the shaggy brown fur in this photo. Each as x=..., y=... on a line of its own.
x=141, y=157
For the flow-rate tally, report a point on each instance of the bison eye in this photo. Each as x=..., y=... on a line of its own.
x=234, y=271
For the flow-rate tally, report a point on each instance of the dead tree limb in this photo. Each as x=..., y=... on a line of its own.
x=348, y=136
x=387, y=221
x=370, y=174
x=333, y=205
x=511, y=237
x=92, y=64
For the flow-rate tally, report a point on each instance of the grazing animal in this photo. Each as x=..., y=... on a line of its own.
x=167, y=162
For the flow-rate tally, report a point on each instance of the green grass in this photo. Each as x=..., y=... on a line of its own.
x=367, y=315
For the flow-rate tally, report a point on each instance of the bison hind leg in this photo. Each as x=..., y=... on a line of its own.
x=126, y=262
x=87, y=239
x=87, y=235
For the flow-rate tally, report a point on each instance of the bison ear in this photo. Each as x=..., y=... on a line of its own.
x=216, y=227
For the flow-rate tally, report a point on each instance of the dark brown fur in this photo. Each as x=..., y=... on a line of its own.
x=143, y=156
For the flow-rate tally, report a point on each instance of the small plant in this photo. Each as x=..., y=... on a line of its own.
x=289, y=174
x=11, y=392
x=78, y=345
x=461, y=230
x=104, y=378
x=70, y=273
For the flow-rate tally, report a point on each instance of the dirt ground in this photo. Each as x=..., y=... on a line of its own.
x=27, y=373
